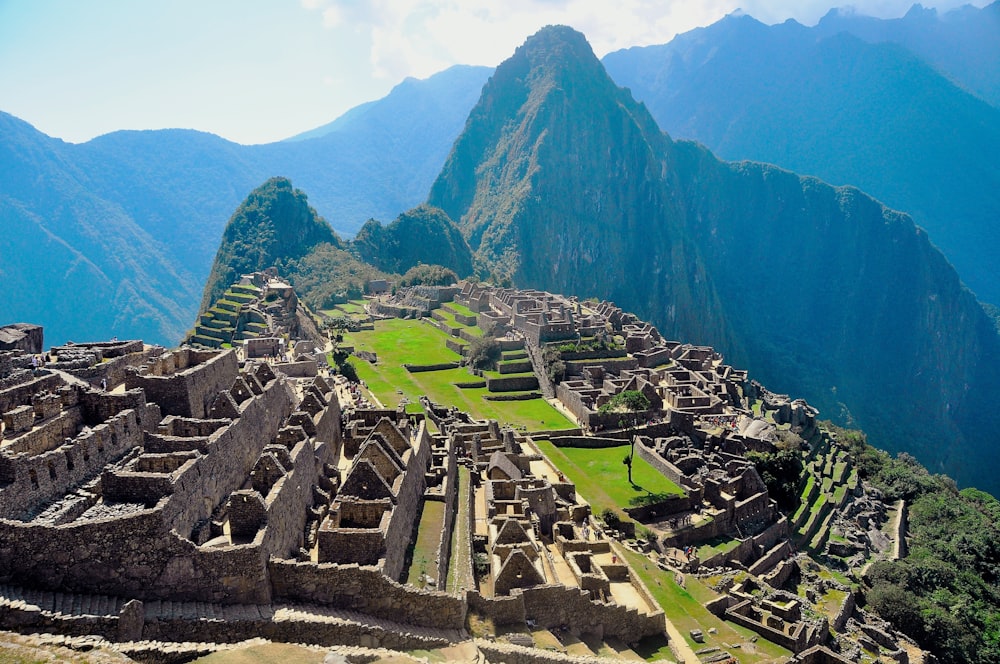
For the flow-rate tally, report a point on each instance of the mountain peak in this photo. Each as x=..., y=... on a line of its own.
x=275, y=223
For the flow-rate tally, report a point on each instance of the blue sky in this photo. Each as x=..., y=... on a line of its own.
x=255, y=71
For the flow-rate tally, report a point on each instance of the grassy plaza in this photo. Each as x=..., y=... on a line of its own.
x=403, y=341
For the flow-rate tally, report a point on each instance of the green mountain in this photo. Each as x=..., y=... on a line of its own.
x=273, y=225
x=276, y=227
x=824, y=102
x=561, y=181
x=422, y=235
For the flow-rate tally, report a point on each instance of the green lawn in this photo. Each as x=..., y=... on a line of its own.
x=425, y=549
x=397, y=341
x=685, y=608
x=601, y=477
x=459, y=308
x=461, y=546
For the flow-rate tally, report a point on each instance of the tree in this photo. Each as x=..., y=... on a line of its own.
x=629, y=404
x=484, y=353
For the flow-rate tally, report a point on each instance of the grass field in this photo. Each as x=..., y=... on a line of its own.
x=426, y=548
x=461, y=547
x=397, y=342
x=601, y=478
x=268, y=653
x=685, y=608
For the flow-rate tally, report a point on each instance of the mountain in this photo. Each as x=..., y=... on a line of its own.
x=451, y=92
x=115, y=237
x=962, y=44
x=73, y=261
x=872, y=115
x=275, y=223
x=562, y=181
x=422, y=235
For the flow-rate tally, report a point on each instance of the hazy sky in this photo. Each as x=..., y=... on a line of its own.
x=255, y=71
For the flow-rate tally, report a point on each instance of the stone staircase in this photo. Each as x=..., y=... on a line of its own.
x=231, y=319
x=205, y=622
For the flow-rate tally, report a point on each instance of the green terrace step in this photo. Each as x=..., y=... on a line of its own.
x=819, y=540
x=240, y=297
x=245, y=289
x=227, y=305
x=818, y=513
x=255, y=316
x=204, y=341
x=216, y=323
x=229, y=317
x=222, y=334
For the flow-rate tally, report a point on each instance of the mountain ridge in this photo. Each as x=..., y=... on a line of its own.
x=872, y=115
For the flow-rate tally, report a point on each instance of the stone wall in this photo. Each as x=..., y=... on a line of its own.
x=667, y=469
x=507, y=610
x=450, y=513
x=411, y=490
x=512, y=383
x=288, y=503
x=34, y=480
x=232, y=453
x=135, y=554
x=556, y=606
x=21, y=394
x=611, y=365
x=187, y=383
x=366, y=590
x=300, y=369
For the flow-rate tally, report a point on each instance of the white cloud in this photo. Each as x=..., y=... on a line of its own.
x=420, y=37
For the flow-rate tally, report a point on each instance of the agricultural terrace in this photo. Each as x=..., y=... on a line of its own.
x=685, y=608
x=602, y=478
x=402, y=341
x=352, y=309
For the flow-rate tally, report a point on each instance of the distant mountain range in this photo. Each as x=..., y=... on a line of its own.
x=822, y=101
x=116, y=236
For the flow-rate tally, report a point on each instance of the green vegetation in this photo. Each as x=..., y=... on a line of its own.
x=684, y=606
x=597, y=475
x=398, y=341
x=424, y=234
x=274, y=224
x=429, y=275
x=484, y=353
x=630, y=404
x=424, y=550
x=780, y=471
x=461, y=544
x=946, y=593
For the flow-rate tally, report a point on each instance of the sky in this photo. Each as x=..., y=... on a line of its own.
x=256, y=71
